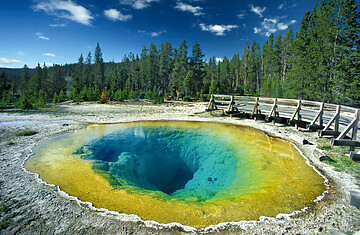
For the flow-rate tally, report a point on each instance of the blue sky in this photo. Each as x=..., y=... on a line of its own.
x=58, y=31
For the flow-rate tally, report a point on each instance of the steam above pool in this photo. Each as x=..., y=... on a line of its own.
x=193, y=173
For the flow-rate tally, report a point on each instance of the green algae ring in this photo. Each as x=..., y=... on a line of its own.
x=194, y=173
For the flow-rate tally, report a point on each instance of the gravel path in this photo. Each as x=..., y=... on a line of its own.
x=28, y=206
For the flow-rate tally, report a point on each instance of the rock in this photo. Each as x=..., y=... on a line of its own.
x=322, y=157
x=325, y=158
x=307, y=142
x=355, y=199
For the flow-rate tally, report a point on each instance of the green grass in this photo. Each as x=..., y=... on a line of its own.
x=27, y=133
x=3, y=208
x=340, y=155
x=5, y=223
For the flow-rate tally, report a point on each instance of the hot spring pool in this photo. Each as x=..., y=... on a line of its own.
x=194, y=173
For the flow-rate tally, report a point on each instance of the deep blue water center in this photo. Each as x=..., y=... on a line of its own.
x=181, y=162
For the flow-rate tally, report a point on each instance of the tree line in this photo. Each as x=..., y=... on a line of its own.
x=320, y=62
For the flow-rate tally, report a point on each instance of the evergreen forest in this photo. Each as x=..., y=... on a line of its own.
x=319, y=62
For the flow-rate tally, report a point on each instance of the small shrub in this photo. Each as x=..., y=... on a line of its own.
x=5, y=100
x=187, y=99
x=204, y=98
x=158, y=100
x=55, y=98
x=120, y=95
x=23, y=103
x=41, y=103
x=104, y=98
x=62, y=97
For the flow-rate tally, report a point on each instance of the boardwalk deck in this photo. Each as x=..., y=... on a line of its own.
x=300, y=113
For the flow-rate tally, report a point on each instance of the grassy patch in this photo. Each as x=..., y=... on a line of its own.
x=3, y=208
x=5, y=223
x=27, y=133
x=326, y=147
x=341, y=157
x=10, y=143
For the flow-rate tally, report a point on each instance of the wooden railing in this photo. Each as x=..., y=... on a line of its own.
x=330, y=120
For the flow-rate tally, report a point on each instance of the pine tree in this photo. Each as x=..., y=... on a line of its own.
x=252, y=85
x=224, y=77
x=189, y=83
x=25, y=78
x=99, y=68
x=236, y=82
x=165, y=66
x=4, y=84
x=36, y=81
x=244, y=71
x=197, y=66
x=152, y=76
x=287, y=41
x=175, y=82
x=183, y=59
x=295, y=85
x=57, y=79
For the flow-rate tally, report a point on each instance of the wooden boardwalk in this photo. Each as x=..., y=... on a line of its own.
x=330, y=120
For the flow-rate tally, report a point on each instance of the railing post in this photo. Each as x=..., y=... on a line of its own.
x=273, y=112
x=354, y=125
x=296, y=115
x=318, y=118
x=337, y=119
x=255, y=110
x=211, y=103
x=231, y=108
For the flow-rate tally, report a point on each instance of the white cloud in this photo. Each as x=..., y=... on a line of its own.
x=41, y=36
x=138, y=4
x=157, y=34
x=9, y=61
x=272, y=25
x=241, y=16
x=49, y=54
x=20, y=53
x=285, y=5
x=219, y=60
x=58, y=25
x=257, y=30
x=189, y=8
x=114, y=15
x=217, y=29
x=257, y=10
x=152, y=34
x=65, y=9
x=282, y=26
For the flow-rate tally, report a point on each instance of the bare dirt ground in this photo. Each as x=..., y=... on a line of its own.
x=28, y=206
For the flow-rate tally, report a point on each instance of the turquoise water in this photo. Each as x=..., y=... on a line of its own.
x=194, y=173
x=180, y=162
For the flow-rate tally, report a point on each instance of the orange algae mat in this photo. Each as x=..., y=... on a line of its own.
x=195, y=173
